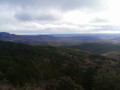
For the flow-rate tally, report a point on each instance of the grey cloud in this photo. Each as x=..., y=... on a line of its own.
x=99, y=20
x=59, y=4
x=25, y=16
x=106, y=28
x=46, y=17
x=111, y=27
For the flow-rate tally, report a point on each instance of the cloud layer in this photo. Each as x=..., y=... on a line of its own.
x=59, y=16
x=59, y=4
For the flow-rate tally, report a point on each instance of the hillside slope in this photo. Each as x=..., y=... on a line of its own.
x=45, y=66
x=98, y=48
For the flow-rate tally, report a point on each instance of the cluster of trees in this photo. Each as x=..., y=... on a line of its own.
x=50, y=68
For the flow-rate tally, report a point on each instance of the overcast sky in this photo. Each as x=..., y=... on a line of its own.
x=59, y=16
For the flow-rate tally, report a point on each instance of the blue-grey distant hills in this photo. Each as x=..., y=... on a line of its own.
x=61, y=39
x=27, y=39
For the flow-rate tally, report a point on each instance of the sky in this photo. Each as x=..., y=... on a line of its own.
x=26, y=17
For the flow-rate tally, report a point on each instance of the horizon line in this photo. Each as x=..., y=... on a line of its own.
x=57, y=33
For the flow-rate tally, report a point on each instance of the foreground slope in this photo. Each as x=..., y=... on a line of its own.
x=50, y=67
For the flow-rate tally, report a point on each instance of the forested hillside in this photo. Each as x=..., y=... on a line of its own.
x=98, y=48
x=26, y=67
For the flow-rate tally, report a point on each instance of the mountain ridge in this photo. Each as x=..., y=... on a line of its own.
x=61, y=39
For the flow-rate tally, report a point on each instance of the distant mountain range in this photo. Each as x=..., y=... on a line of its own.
x=61, y=39
x=35, y=40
